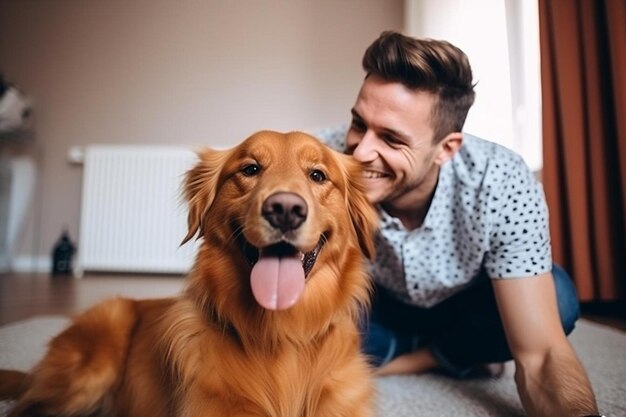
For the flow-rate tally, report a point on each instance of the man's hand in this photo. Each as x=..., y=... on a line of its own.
x=550, y=379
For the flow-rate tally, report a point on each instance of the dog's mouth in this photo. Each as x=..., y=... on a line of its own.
x=279, y=271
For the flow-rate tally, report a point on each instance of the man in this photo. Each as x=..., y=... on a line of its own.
x=464, y=275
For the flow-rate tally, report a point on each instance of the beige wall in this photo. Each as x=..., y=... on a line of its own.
x=187, y=72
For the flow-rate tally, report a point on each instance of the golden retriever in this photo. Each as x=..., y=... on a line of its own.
x=267, y=323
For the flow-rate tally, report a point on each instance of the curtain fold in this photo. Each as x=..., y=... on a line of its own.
x=583, y=75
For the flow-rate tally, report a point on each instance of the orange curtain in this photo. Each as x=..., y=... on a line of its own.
x=583, y=75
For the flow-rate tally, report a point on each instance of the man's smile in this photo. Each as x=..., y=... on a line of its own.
x=373, y=174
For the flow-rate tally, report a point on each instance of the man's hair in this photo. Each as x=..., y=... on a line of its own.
x=430, y=65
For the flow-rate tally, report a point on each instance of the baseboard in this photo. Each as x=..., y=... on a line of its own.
x=31, y=264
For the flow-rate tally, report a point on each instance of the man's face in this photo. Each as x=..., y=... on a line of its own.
x=391, y=135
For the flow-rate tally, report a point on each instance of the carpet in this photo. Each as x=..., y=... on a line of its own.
x=601, y=349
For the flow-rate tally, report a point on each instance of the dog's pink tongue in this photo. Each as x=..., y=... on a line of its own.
x=277, y=282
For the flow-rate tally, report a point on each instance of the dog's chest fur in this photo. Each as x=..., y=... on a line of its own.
x=253, y=379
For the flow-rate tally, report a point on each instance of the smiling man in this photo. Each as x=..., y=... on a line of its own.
x=464, y=275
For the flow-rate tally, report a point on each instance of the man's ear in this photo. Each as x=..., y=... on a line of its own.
x=448, y=147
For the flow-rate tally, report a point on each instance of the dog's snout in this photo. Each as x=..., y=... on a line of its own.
x=285, y=211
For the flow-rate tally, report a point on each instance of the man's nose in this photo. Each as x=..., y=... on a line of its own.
x=365, y=149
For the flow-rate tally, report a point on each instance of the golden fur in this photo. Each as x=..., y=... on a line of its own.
x=214, y=351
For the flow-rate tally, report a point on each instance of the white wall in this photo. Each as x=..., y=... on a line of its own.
x=192, y=72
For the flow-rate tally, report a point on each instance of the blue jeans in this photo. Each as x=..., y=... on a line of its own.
x=462, y=331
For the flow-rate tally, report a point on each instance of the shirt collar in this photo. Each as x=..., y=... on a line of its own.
x=441, y=197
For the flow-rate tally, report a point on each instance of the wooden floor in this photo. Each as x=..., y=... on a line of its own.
x=27, y=295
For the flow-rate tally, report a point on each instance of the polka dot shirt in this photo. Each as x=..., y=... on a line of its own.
x=488, y=212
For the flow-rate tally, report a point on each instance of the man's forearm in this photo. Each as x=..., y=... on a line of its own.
x=555, y=385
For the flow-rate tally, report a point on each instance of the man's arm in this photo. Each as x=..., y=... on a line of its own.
x=550, y=379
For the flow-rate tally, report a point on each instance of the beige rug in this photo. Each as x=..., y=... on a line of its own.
x=601, y=349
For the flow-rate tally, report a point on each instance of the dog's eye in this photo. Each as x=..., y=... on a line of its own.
x=251, y=170
x=317, y=175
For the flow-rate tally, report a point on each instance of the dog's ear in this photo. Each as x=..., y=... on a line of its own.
x=200, y=187
x=362, y=213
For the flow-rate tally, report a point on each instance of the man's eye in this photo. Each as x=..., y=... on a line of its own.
x=358, y=125
x=251, y=170
x=317, y=175
x=392, y=140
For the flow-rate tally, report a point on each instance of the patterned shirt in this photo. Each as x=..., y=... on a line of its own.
x=488, y=214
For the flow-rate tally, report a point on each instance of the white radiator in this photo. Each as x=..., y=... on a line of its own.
x=133, y=217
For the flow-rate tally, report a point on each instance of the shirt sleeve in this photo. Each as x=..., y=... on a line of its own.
x=520, y=237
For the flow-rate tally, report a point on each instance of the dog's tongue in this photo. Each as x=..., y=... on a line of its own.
x=277, y=281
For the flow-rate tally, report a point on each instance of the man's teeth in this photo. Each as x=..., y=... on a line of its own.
x=373, y=174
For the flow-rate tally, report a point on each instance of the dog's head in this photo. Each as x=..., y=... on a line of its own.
x=285, y=211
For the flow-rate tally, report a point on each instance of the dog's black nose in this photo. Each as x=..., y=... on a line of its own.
x=285, y=211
